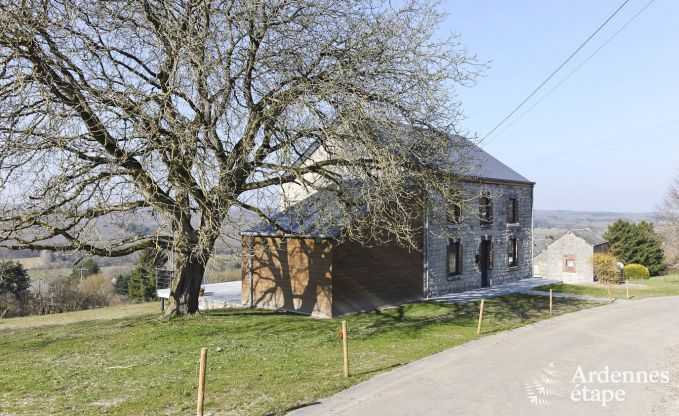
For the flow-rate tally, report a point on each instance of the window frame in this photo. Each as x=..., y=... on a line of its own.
x=457, y=255
x=485, y=209
x=513, y=211
x=456, y=217
x=512, y=252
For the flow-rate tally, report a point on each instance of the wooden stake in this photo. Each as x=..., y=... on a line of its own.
x=201, y=381
x=550, y=300
x=478, y=328
x=345, y=347
x=608, y=285
x=627, y=284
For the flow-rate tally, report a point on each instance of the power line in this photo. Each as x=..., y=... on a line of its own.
x=575, y=70
x=582, y=45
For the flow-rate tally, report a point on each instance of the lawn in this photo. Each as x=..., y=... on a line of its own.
x=108, y=313
x=655, y=286
x=259, y=362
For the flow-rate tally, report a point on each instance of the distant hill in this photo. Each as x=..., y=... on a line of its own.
x=595, y=220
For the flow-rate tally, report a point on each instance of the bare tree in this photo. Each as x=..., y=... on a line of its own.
x=192, y=110
x=669, y=216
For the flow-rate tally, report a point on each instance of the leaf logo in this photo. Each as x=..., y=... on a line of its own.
x=540, y=388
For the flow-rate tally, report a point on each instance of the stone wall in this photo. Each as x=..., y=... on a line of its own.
x=550, y=263
x=470, y=233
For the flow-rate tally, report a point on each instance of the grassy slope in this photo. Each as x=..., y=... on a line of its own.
x=269, y=362
x=656, y=286
x=111, y=312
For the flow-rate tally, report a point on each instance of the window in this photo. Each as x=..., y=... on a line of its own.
x=569, y=263
x=512, y=252
x=454, y=258
x=490, y=256
x=455, y=216
x=512, y=211
x=486, y=209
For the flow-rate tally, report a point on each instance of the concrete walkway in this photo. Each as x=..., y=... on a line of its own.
x=494, y=291
x=216, y=295
x=534, y=370
x=525, y=286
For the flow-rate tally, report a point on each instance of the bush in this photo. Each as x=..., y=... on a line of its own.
x=10, y=306
x=95, y=291
x=606, y=268
x=142, y=280
x=13, y=278
x=636, y=271
x=85, y=269
x=67, y=294
x=121, y=284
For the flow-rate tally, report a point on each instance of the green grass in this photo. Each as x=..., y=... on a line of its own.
x=107, y=313
x=267, y=363
x=655, y=286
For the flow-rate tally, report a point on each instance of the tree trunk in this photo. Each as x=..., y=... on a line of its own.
x=186, y=283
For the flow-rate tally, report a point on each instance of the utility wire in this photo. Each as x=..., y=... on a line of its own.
x=575, y=70
x=582, y=45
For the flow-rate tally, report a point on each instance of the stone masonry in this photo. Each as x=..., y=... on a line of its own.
x=469, y=232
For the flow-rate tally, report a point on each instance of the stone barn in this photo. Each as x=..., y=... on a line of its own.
x=310, y=272
x=568, y=258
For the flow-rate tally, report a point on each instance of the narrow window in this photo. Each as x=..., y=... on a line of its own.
x=512, y=211
x=486, y=209
x=512, y=252
x=455, y=215
x=454, y=257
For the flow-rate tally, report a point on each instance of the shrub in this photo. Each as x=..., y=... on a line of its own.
x=121, y=284
x=142, y=280
x=606, y=268
x=95, y=291
x=13, y=278
x=85, y=269
x=636, y=271
x=64, y=295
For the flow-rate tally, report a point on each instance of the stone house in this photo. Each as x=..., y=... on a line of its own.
x=309, y=272
x=568, y=258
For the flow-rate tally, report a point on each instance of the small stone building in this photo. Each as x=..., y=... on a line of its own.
x=310, y=272
x=568, y=258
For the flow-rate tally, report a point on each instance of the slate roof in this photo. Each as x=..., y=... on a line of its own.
x=484, y=166
x=311, y=217
x=589, y=236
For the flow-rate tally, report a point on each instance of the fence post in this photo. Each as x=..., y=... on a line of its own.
x=608, y=285
x=345, y=347
x=627, y=287
x=550, y=300
x=201, y=382
x=478, y=328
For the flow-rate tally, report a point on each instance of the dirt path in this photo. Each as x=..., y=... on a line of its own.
x=631, y=348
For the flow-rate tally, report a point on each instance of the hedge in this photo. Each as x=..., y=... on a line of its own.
x=636, y=271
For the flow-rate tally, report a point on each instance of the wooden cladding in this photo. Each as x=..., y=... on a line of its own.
x=317, y=278
x=292, y=274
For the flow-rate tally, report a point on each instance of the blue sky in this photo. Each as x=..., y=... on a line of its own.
x=608, y=138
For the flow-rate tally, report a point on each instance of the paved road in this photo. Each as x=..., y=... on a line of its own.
x=531, y=370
